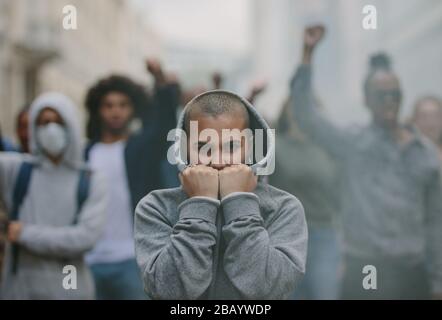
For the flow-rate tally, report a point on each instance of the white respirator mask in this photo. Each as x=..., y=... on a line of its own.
x=52, y=138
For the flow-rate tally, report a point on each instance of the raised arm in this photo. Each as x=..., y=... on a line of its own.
x=333, y=139
x=176, y=258
x=166, y=98
x=160, y=115
x=264, y=262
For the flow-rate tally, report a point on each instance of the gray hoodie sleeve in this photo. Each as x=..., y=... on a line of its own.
x=74, y=240
x=434, y=232
x=264, y=262
x=176, y=260
x=305, y=111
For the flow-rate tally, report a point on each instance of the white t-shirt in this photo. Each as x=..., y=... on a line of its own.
x=117, y=242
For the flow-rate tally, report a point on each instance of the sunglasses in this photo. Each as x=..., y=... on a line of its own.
x=382, y=95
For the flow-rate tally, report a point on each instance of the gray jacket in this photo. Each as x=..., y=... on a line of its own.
x=49, y=241
x=391, y=195
x=246, y=246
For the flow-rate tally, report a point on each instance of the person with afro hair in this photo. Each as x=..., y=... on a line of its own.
x=132, y=161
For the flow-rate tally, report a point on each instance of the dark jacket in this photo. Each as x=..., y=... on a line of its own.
x=146, y=149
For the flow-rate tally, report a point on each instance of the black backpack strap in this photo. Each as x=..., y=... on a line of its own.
x=82, y=194
x=20, y=191
x=82, y=191
x=87, y=150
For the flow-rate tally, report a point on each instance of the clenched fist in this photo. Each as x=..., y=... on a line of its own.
x=14, y=231
x=154, y=67
x=236, y=178
x=312, y=36
x=201, y=181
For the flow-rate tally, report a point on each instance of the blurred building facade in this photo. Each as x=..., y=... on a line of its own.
x=277, y=42
x=38, y=54
x=202, y=37
x=409, y=30
x=196, y=65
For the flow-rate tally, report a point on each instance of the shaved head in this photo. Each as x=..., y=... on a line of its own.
x=215, y=104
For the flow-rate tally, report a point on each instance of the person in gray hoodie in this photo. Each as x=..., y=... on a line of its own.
x=51, y=230
x=222, y=234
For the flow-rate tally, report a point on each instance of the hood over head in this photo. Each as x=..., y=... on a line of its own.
x=260, y=166
x=65, y=107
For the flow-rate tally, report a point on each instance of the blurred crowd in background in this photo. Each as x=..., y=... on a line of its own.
x=371, y=191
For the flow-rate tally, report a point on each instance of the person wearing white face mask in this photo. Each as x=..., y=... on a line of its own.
x=56, y=207
x=53, y=139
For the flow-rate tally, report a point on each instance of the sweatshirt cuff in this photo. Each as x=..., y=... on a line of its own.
x=240, y=204
x=203, y=208
x=24, y=236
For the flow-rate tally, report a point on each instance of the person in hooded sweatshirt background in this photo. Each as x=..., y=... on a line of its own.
x=51, y=228
x=223, y=234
